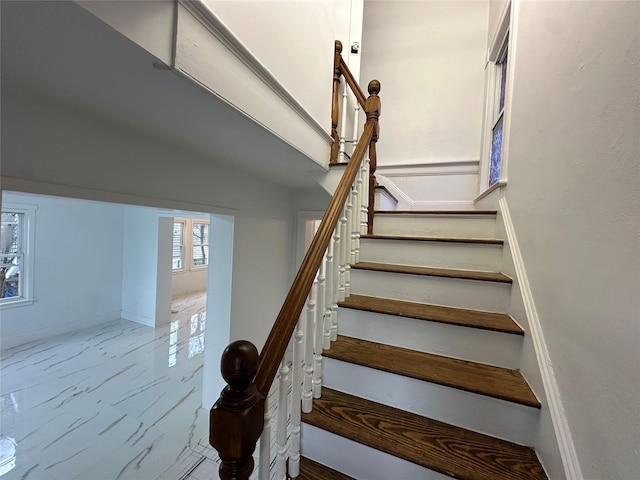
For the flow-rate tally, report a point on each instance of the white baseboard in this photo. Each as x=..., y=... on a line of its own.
x=552, y=393
x=132, y=317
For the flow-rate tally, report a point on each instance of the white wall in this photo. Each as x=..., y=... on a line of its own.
x=429, y=58
x=294, y=40
x=146, y=273
x=78, y=268
x=48, y=147
x=573, y=193
x=149, y=24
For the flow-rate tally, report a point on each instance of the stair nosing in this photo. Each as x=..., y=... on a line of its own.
x=432, y=317
x=439, y=454
x=435, y=212
x=451, y=381
x=478, y=275
x=487, y=241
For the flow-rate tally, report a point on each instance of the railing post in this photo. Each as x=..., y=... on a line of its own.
x=237, y=418
x=335, y=146
x=372, y=109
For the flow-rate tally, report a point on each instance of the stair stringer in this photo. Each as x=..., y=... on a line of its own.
x=553, y=442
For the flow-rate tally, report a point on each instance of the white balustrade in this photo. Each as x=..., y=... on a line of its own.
x=318, y=333
x=329, y=295
x=307, y=384
x=296, y=391
x=283, y=417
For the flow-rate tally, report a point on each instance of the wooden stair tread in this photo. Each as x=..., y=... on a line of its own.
x=488, y=241
x=310, y=470
x=497, y=322
x=435, y=212
x=447, y=449
x=434, y=272
x=489, y=380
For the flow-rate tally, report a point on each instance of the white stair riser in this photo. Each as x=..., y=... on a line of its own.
x=452, y=292
x=359, y=461
x=467, y=226
x=483, y=346
x=471, y=256
x=491, y=416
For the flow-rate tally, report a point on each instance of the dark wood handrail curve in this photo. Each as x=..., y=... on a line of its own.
x=237, y=418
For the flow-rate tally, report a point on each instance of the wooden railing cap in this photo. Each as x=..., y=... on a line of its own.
x=374, y=87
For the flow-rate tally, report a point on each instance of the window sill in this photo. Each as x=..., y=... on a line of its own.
x=23, y=302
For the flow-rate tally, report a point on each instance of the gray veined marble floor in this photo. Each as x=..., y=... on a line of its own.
x=120, y=401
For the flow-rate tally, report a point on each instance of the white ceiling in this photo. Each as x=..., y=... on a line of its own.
x=60, y=50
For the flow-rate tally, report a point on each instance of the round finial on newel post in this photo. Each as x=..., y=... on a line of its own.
x=338, y=47
x=239, y=364
x=374, y=87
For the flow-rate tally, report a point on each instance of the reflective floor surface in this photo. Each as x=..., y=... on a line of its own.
x=119, y=401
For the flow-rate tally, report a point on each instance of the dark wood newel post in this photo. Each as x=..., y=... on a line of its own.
x=335, y=146
x=372, y=109
x=237, y=418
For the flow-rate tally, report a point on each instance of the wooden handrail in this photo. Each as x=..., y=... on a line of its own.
x=351, y=81
x=236, y=419
x=276, y=344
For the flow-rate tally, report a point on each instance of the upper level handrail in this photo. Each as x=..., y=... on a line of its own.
x=236, y=419
x=351, y=81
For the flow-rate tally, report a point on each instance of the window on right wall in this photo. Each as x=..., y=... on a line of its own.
x=497, y=129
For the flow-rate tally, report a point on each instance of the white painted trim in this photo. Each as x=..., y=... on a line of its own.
x=500, y=33
x=466, y=167
x=552, y=393
x=199, y=10
x=71, y=191
x=491, y=189
x=132, y=317
x=441, y=204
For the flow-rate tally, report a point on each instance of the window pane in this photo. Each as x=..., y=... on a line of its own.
x=10, y=255
x=200, y=233
x=200, y=255
x=503, y=80
x=496, y=152
x=177, y=232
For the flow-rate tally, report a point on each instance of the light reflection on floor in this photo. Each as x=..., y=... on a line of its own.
x=118, y=401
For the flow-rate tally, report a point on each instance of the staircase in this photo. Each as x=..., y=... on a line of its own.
x=423, y=381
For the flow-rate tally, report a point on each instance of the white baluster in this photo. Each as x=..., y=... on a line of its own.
x=343, y=127
x=336, y=284
x=265, y=444
x=296, y=394
x=348, y=247
x=343, y=255
x=356, y=113
x=307, y=385
x=358, y=217
x=318, y=334
x=365, y=198
x=283, y=417
x=329, y=293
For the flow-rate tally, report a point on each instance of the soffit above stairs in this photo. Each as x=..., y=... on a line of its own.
x=61, y=51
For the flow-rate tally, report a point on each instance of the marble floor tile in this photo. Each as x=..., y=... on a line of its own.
x=118, y=401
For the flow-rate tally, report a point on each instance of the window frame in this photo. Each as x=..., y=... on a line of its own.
x=182, y=245
x=27, y=234
x=197, y=221
x=501, y=44
x=187, y=245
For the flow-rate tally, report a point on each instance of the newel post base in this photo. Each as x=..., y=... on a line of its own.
x=237, y=418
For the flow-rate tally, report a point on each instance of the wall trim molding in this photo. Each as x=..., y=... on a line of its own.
x=465, y=167
x=132, y=317
x=558, y=417
x=82, y=193
x=218, y=29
